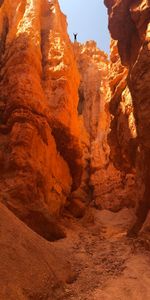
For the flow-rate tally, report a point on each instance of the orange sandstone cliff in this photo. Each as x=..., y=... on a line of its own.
x=40, y=153
x=73, y=135
x=54, y=117
x=40, y=149
x=129, y=24
x=106, y=187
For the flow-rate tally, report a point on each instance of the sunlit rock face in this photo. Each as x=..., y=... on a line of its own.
x=108, y=187
x=93, y=66
x=123, y=135
x=54, y=117
x=129, y=24
x=40, y=153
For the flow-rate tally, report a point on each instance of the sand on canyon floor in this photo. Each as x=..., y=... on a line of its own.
x=106, y=264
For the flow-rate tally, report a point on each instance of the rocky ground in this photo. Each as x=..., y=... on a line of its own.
x=95, y=261
x=106, y=264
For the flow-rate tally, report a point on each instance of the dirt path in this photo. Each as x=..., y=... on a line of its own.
x=106, y=265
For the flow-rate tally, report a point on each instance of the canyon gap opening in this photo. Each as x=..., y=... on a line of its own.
x=90, y=20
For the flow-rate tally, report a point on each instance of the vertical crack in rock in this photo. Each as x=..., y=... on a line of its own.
x=81, y=102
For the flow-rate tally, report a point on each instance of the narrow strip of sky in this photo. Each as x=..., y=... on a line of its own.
x=89, y=19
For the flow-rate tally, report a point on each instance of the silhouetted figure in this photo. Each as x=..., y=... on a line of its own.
x=75, y=37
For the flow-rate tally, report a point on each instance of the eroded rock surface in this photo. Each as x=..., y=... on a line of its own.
x=31, y=267
x=129, y=24
x=93, y=67
x=108, y=187
x=55, y=98
x=40, y=153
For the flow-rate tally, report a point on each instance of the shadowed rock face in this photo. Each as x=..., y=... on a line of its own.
x=1, y=2
x=30, y=266
x=40, y=153
x=129, y=24
x=121, y=17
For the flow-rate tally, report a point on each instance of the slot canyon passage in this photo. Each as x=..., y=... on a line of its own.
x=74, y=155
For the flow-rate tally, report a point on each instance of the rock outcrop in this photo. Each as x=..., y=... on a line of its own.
x=31, y=267
x=74, y=132
x=74, y=135
x=93, y=67
x=123, y=136
x=40, y=152
x=55, y=118
x=129, y=24
x=106, y=186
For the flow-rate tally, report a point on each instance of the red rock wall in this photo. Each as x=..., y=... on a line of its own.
x=54, y=117
x=40, y=153
x=129, y=24
x=93, y=66
x=123, y=135
x=108, y=187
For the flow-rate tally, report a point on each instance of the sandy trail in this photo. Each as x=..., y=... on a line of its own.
x=106, y=265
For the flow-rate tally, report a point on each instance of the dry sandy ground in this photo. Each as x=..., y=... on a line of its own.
x=106, y=265
x=30, y=268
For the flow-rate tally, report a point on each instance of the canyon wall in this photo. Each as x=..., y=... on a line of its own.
x=123, y=134
x=105, y=186
x=55, y=119
x=56, y=147
x=129, y=24
x=93, y=67
x=40, y=152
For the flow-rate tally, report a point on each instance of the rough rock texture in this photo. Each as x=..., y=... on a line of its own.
x=54, y=153
x=129, y=24
x=44, y=129
x=103, y=183
x=123, y=136
x=60, y=83
x=31, y=267
x=93, y=68
x=40, y=153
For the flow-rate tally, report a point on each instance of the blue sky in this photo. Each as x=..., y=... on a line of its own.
x=89, y=19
